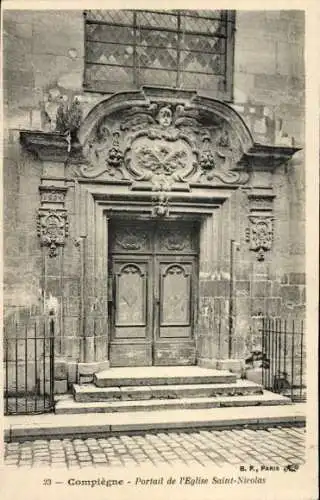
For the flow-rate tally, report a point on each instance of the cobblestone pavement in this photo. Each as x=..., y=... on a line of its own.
x=274, y=446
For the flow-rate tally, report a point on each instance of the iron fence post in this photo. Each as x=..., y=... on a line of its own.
x=26, y=368
x=7, y=375
x=292, y=357
x=17, y=362
x=301, y=357
x=51, y=359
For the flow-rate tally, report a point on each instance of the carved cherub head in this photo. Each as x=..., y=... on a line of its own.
x=164, y=117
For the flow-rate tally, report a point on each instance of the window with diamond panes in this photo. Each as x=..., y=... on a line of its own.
x=192, y=49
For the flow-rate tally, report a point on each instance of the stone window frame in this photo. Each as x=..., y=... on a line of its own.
x=224, y=89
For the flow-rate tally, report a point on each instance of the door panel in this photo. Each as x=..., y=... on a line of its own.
x=131, y=299
x=134, y=238
x=173, y=340
x=130, y=343
x=175, y=299
x=175, y=238
x=154, y=279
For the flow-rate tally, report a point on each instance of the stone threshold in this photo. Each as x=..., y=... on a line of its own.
x=161, y=375
x=50, y=426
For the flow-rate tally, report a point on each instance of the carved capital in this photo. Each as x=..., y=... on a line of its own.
x=52, y=229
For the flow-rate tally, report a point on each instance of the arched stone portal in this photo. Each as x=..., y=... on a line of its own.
x=146, y=168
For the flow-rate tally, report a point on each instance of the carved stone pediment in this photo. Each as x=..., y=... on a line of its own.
x=163, y=142
x=160, y=139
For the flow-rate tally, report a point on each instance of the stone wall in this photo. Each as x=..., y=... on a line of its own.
x=43, y=60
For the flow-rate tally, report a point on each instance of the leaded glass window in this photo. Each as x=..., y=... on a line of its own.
x=189, y=49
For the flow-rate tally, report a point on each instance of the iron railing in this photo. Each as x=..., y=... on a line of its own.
x=29, y=367
x=284, y=357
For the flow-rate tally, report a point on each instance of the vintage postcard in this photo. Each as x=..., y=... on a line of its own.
x=160, y=194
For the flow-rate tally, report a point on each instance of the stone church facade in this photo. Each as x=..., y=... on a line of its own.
x=158, y=219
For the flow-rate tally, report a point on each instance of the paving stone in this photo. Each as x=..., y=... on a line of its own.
x=84, y=459
x=11, y=461
x=99, y=460
x=277, y=447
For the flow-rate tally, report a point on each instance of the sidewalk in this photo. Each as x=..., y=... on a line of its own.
x=51, y=426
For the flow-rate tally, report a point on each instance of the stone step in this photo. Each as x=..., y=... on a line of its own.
x=161, y=375
x=67, y=405
x=90, y=392
x=50, y=426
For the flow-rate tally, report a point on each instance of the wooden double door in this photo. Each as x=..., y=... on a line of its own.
x=153, y=292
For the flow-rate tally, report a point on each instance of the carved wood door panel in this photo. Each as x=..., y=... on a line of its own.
x=154, y=281
x=173, y=341
x=131, y=330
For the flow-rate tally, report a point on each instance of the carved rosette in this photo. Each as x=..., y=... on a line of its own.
x=260, y=235
x=52, y=229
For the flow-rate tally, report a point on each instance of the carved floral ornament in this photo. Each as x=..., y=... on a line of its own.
x=52, y=229
x=260, y=234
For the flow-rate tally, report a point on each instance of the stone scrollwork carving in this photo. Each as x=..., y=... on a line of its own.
x=260, y=234
x=52, y=229
x=141, y=135
x=220, y=151
x=160, y=150
x=150, y=141
x=103, y=154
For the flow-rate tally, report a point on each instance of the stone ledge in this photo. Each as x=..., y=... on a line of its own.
x=47, y=146
x=264, y=157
